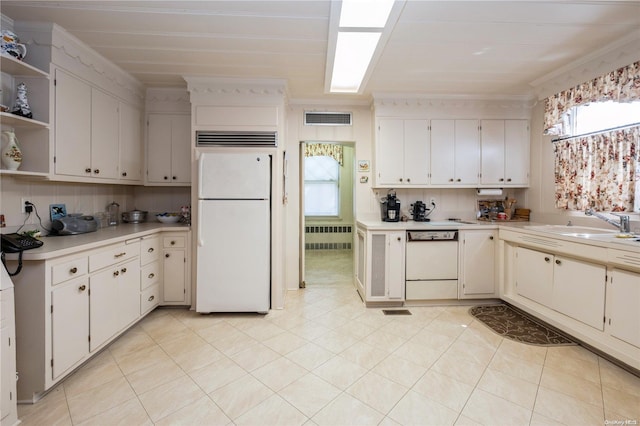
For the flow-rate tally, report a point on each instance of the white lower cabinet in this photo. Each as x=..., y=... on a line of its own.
x=572, y=287
x=623, y=306
x=175, y=272
x=8, y=395
x=477, y=275
x=385, y=268
x=69, y=324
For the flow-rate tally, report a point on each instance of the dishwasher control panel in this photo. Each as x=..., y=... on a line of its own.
x=432, y=235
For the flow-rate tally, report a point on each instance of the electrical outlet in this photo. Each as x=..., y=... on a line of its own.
x=23, y=204
x=432, y=201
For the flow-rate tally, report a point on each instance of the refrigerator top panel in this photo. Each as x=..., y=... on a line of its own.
x=234, y=176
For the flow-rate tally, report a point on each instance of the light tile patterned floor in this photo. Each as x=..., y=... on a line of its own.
x=327, y=360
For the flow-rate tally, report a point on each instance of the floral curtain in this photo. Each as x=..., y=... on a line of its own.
x=324, y=149
x=599, y=171
x=621, y=85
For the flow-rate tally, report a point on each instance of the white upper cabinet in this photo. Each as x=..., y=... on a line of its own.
x=105, y=123
x=130, y=143
x=168, y=149
x=455, y=152
x=403, y=152
x=504, y=152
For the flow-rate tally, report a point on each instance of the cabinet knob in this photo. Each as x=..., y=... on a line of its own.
x=458, y=180
x=450, y=180
x=491, y=237
x=400, y=179
x=173, y=243
x=408, y=179
x=123, y=270
x=97, y=171
x=124, y=174
x=166, y=177
x=399, y=239
x=151, y=275
x=546, y=259
x=151, y=298
x=509, y=180
x=150, y=250
x=167, y=255
x=116, y=273
x=87, y=170
x=73, y=270
x=501, y=179
x=558, y=262
x=174, y=178
x=82, y=287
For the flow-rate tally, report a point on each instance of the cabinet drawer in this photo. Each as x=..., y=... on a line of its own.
x=150, y=274
x=112, y=255
x=149, y=298
x=174, y=242
x=149, y=250
x=67, y=270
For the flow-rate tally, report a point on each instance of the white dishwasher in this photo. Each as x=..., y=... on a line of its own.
x=432, y=265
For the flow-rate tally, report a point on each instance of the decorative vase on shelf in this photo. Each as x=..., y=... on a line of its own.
x=11, y=154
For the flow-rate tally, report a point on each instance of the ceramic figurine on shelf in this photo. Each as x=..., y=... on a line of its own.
x=21, y=106
x=11, y=154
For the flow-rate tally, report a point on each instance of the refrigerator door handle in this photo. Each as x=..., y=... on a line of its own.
x=200, y=240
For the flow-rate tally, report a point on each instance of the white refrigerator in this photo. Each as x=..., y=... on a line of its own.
x=234, y=233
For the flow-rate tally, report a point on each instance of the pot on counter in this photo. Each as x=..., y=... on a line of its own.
x=134, y=216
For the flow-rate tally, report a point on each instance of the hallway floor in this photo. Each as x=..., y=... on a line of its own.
x=327, y=360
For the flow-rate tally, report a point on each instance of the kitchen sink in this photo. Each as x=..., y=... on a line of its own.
x=573, y=231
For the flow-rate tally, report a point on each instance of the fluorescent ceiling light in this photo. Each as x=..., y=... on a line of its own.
x=365, y=13
x=353, y=54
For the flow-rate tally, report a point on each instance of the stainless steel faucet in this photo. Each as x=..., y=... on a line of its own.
x=623, y=225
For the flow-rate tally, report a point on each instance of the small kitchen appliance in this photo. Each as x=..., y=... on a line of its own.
x=419, y=212
x=390, y=207
x=71, y=225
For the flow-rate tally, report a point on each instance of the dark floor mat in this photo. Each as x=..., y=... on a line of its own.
x=514, y=325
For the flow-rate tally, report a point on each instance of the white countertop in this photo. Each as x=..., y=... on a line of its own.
x=55, y=246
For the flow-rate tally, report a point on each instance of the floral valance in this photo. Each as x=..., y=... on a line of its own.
x=324, y=149
x=621, y=85
x=600, y=171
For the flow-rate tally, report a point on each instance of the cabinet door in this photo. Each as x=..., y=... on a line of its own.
x=395, y=265
x=623, y=306
x=181, y=149
x=128, y=293
x=130, y=143
x=104, y=319
x=578, y=290
x=360, y=255
x=443, y=152
x=517, y=157
x=159, y=148
x=377, y=287
x=534, y=275
x=174, y=289
x=492, y=152
x=478, y=266
x=72, y=126
x=105, y=129
x=390, y=153
x=467, y=152
x=69, y=324
x=8, y=376
x=416, y=152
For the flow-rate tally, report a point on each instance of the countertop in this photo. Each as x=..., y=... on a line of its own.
x=55, y=246
x=608, y=240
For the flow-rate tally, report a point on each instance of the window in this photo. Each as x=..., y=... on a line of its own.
x=598, y=116
x=321, y=186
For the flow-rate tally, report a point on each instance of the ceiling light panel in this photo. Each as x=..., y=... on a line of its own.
x=353, y=54
x=365, y=13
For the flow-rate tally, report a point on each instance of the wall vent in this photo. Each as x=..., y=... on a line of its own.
x=327, y=118
x=327, y=229
x=327, y=246
x=240, y=139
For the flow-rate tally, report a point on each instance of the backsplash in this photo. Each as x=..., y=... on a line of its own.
x=81, y=198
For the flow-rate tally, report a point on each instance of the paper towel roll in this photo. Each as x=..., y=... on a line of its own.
x=489, y=191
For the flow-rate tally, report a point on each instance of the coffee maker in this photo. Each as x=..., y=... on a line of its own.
x=390, y=207
x=419, y=212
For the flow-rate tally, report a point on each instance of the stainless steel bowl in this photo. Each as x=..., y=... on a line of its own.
x=134, y=216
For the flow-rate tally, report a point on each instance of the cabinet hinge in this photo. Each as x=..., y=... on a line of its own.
x=51, y=308
x=51, y=362
x=54, y=158
x=9, y=341
x=604, y=319
x=89, y=338
x=55, y=82
x=10, y=396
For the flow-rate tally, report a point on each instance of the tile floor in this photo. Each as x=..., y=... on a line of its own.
x=327, y=360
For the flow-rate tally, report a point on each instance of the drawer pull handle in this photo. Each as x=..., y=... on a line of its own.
x=151, y=298
x=123, y=270
x=82, y=287
x=120, y=254
x=151, y=275
x=116, y=273
x=150, y=250
x=73, y=270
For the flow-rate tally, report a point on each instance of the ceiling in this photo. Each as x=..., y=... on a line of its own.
x=437, y=47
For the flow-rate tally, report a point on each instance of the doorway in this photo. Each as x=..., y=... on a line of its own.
x=327, y=220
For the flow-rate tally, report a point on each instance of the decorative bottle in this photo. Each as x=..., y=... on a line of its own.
x=11, y=154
